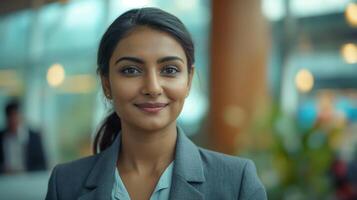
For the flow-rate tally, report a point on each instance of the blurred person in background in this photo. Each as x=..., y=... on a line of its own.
x=21, y=148
x=145, y=61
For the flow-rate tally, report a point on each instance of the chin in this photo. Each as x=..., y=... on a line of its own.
x=153, y=125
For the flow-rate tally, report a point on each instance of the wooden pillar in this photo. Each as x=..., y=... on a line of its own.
x=238, y=71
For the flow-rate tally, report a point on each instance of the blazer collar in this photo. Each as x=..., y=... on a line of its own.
x=188, y=170
x=99, y=183
x=186, y=177
x=188, y=162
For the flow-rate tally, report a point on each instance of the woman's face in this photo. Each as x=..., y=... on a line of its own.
x=148, y=79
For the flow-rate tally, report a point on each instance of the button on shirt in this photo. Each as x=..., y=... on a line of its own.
x=161, y=191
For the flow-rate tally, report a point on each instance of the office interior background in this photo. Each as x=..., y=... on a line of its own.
x=276, y=82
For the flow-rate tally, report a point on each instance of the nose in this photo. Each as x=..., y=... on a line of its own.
x=152, y=86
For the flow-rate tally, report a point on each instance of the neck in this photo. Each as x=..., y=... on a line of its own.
x=142, y=151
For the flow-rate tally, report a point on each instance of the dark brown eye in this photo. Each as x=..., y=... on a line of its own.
x=130, y=71
x=170, y=70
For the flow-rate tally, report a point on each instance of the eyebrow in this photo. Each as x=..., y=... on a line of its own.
x=133, y=59
x=169, y=58
x=140, y=61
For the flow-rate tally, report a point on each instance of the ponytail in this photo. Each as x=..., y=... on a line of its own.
x=106, y=133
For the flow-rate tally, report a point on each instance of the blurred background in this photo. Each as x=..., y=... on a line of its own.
x=276, y=82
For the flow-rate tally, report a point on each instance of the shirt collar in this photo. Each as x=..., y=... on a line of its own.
x=120, y=191
x=164, y=182
x=165, y=179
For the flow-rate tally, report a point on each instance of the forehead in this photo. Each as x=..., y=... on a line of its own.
x=147, y=42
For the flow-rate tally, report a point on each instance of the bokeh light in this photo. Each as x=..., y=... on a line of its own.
x=349, y=53
x=55, y=75
x=351, y=14
x=304, y=80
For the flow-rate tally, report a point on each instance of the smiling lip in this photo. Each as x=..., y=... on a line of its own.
x=151, y=107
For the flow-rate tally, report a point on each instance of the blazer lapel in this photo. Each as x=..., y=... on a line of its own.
x=181, y=189
x=188, y=170
x=99, y=183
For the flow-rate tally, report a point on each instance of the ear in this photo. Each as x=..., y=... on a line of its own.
x=106, y=86
x=190, y=79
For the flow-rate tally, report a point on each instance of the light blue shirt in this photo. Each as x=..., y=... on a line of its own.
x=161, y=191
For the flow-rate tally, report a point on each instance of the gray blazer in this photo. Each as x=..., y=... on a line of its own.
x=198, y=174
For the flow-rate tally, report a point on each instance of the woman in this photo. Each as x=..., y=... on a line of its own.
x=145, y=61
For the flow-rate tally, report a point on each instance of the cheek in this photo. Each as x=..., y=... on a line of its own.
x=122, y=94
x=123, y=91
x=177, y=91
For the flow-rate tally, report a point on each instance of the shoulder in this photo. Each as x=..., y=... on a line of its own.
x=212, y=159
x=75, y=172
x=67, y=179
x=78, y=167
x=232, y=173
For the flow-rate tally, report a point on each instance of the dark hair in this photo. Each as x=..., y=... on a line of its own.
x=151, y=17
x=11, y=106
